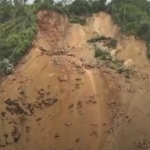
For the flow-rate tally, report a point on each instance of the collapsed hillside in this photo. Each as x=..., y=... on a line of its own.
x=61, y=97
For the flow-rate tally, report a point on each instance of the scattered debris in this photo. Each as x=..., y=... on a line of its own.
x=77, y=86
x=15, y=134
x=142, y=143
x=70, y=106
x=57, y=135
x=94, y=133
x=27, y=129
x=3, y=114
x=128, y=63
x=77, y=140
x=38, y=119
x=67, y=124
x=91, y=100
x=62, y=78
x=13, y=107
x=78, y=79
x=79, y=105
x=6, y=135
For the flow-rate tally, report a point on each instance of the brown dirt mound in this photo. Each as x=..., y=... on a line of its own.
x=59, y=98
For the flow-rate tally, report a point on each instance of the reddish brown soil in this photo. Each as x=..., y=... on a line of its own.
x=60, y=99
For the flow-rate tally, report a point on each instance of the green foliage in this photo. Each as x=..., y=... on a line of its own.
x=17, y=30
x=76, y=11
x=18, y=23
x=98, y=39
x=133, y=18
x=77, y=19
x=111, y=62
x=102, y=54
x=112, y=43
x=109, y=42
x=86, y=7
x=119, y=67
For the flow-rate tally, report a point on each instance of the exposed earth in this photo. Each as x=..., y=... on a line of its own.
x=61, y=98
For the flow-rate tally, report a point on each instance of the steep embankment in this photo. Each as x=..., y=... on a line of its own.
x=60, y=98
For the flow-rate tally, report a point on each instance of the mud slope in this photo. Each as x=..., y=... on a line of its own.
x=59, y=98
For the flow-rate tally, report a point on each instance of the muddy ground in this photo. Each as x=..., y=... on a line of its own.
x=61, y=98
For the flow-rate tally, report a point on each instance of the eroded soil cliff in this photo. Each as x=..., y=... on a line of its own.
x=61, y=98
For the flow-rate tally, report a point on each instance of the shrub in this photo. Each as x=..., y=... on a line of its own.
x=102, y=54
x=112, y=43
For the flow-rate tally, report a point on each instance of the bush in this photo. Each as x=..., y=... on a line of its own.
x=112, y=43
x=102, y=54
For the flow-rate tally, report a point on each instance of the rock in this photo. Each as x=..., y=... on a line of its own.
x=70, y=106
x=6, y=135
x=77, y=140
x=13, y=107
x=62, y=78
x=67, y=124
x=82, y=59
x=3, y=114
x=113, y=53
x=27, y=129
x=57, y=135
x=15, y=134
x=79, y=104
x=128, y=63
x=70, y=54
x=38, y=119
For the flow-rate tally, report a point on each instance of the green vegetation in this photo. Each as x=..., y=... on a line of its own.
x=133, y=18
x=110, y=62
x=98, y=39
x=76, y=10
x=109, y=42
x=18, y=22
x=119, y=67
x=17, y=30
x=102, y=54
x=112, y=43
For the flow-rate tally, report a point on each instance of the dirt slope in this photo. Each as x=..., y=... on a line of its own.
x=59, y=98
